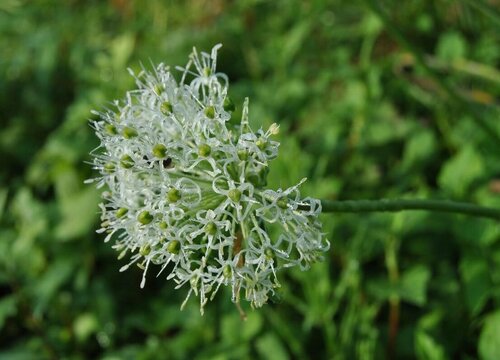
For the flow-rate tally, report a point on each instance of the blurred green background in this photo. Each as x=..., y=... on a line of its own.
x=375, y=99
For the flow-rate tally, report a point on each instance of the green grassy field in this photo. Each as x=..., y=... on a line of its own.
x=375, y=99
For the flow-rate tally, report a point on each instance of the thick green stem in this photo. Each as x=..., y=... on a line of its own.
x=359, y=206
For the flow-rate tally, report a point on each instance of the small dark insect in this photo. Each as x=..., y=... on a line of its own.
x=145, y=158
x=167, y=163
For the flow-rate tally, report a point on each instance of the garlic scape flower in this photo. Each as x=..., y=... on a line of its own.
x=185, y=187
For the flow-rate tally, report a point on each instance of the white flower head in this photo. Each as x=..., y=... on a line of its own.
x=186, y=187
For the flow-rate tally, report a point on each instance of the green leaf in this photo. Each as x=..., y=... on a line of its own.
x=461, y=171
x=85, y=325
x=420, y=147
x=7, y=308
x=51, y=281
x=413, y=286
x=121, y=50
x=270, y=347
x=252, y=325
x=489, y=340
x=20, y=352
x=293, y=41
x=427, y=348
x=451, y=46
x=78, y=212
x=3, y=201
x=381, y=289
x=475, y=274
x=355, y=96
x=371, y=24
x=231, y=329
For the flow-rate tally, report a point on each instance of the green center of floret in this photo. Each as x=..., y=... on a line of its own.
x=173, y=195
x=235, y=195
x=145, y=217
x=160, y=151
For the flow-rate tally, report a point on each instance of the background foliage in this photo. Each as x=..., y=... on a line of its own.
x=391, y=100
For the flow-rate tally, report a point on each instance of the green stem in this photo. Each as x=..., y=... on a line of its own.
x=359, y=206
x=391, y=262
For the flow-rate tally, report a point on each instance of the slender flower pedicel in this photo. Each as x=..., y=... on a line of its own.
x=186, y=188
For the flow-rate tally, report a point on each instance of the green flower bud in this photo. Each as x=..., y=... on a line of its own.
x=282, y=203
x=210, y=112
x=109, y=167
x=242, y=155
x=129, y=132
x=166, y=108
x=110, y=129
x=174, y=247
x=228, y=104
x=211, y=228
x=160, y=151
x=145, y=250
x=235, y=195
x=204, y=150
x=163, y=225
x=227, y=271
x=173, y=195
x=261, y=143
x=159, y=89
x=126, y=161
x=145, y=217
x=121, y=212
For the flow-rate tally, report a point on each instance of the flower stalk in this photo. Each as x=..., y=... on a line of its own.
x=386, y=205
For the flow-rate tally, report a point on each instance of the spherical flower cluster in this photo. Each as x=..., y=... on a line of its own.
x=186, y=187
